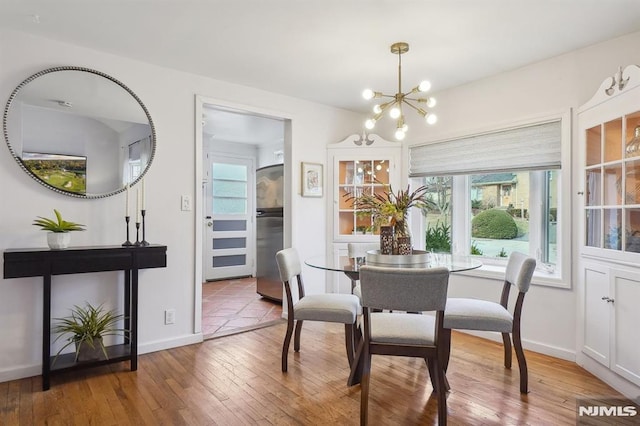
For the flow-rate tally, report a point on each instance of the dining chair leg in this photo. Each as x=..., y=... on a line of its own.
x=522, y=362
x=441, y=391
x=348, y=340
x=445, y=348
x=296, y=339
x=506, y=340
x=432, y=373
x=355, y=376
x=364, y=384
x=285, y=345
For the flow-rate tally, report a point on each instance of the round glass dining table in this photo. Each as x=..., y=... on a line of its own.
x=350, y=266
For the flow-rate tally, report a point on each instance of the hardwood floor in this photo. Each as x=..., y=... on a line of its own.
x=236, y=380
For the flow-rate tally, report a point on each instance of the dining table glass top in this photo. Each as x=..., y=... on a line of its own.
x=351, y=265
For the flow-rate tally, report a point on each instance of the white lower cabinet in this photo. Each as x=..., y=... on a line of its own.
x=597, y=323
x=611, y=318
x=625, y=342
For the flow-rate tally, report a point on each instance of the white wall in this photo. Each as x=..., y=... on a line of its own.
x=567, y=81
x=267, y=153
x=169, y=96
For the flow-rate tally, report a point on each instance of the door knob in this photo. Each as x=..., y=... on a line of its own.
x=210, y=224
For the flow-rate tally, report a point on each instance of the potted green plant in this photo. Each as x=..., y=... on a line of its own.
x=87, y=327
x=58, y=236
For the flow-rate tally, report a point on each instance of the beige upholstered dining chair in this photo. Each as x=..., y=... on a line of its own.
x=361, y=249
x=340, y=308
x=474, y=314
x=399, y=333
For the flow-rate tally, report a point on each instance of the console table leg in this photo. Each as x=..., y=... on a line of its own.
x=127, y=305
x=134, y=319
x=46, y=331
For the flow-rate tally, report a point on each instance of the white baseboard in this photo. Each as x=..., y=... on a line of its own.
x=174, y=342
x=614, y=380
x=554, y=351
x=35, y=370
x=20, y=372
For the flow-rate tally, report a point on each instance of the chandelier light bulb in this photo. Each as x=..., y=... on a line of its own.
x=377, y=109
x=431, y=102
x=405, y=127
x=394, y=112
x=370, y=123
x=399, y=134
x=368, y=94
x=424, y=86
x=431, y=118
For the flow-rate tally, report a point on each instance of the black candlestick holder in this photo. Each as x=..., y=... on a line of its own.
x=144, y=242
x=137, y=243
x=127, y=243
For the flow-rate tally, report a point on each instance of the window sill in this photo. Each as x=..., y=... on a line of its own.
x=541, y=277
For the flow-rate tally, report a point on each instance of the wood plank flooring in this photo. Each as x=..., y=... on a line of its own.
x=236, y=380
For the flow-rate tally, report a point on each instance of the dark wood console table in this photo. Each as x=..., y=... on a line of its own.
x=19, y=263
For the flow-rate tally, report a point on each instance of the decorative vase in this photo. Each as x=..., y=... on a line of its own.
x=58, y=240
x=404, y=245
x=386, y=239
x=402, y=237
x=87, y=353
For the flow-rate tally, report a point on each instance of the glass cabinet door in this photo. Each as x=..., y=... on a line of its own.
x=357, y=177
x=612, y=184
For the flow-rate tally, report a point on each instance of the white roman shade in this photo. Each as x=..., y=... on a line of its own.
x=533, y=147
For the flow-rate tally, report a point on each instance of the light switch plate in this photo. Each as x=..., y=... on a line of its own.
x=185, y=203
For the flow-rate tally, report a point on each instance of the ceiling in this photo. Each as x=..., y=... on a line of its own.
x=328, y=51
x=230, y=125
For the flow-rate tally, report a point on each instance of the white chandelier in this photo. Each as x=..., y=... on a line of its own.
x=394, y=105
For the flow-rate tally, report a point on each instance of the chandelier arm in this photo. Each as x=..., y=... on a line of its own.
x=384, y=106
x=419, y=100
x=419, y=110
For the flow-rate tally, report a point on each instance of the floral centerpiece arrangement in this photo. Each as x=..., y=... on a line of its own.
x=388, y=208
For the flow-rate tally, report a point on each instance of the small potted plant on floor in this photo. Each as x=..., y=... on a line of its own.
x=59, y=230
x=87, y=327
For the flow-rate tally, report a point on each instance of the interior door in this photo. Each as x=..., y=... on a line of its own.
x=229, y=236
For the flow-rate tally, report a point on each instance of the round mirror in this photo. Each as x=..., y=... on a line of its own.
x=79, y=132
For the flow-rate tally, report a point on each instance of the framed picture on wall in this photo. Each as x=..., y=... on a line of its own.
x=312, y=180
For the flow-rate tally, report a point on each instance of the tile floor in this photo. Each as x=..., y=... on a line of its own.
x=233, y=306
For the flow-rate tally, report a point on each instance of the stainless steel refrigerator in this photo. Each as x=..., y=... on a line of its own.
x=269, y=230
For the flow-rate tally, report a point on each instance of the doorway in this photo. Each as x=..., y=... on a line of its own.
x=233, y=142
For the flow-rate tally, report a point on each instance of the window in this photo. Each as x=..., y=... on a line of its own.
x=438, y=217
x=503, y=196
x=499, y=224
x=229, y=186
